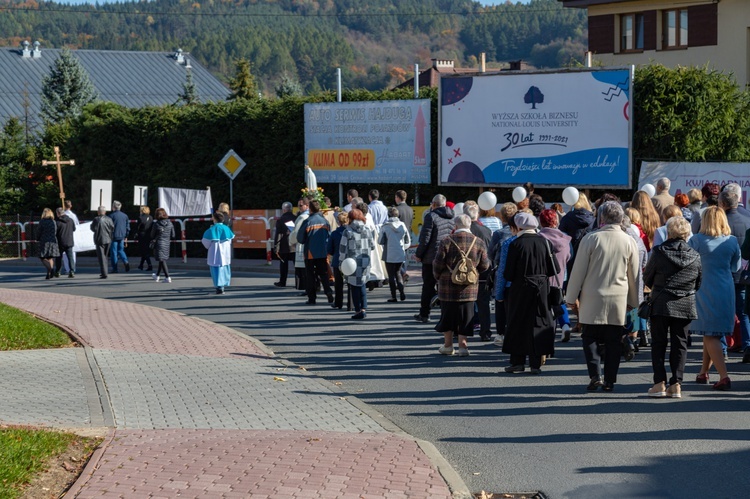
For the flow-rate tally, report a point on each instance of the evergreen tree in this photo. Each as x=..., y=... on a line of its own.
x=243, y=84
x=189, y=93
x=288, y=87
x=66, y=89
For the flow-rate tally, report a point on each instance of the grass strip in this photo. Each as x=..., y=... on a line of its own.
x=24, y=452
x=21, y=331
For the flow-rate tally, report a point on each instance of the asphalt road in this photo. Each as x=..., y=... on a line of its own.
x=501, y=432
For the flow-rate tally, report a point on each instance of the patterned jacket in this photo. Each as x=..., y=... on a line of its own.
x=448, y=256
x=357, y=242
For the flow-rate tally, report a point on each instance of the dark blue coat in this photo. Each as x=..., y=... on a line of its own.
x=333, y=245
x=122, y=225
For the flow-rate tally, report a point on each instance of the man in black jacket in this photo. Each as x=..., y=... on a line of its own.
x=284, y=227
x=65, y=241
x=438, y=224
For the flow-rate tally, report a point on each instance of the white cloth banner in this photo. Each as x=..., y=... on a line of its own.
x=84, y=238
x=185, y=202
x=686, y=176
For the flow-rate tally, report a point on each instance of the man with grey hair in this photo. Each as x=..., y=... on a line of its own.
x=603, y=286
x=102, y=227
x=738, y=225
x=119, y=237
x=282, y=248
x=457, y=300
x=483, y=318
x=737, y=190
x=662, y=199
x=438, y=224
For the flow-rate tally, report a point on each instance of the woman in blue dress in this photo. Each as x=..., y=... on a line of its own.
x=720, y=256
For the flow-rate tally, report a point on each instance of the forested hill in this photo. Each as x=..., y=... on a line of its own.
x=375, y=42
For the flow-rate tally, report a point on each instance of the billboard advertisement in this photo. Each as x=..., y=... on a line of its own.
x=553, y=129
x=686, y=176
x=384, y=142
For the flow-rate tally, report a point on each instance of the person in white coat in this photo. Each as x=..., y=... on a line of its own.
x=218, y=240
x=604, y=280
x=299, y=249
x=395, y=239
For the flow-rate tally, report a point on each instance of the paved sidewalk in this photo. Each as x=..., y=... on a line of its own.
x=197, y=410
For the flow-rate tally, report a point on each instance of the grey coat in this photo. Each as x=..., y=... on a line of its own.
x=162, y=232
x=395, y=239
x=102, y=227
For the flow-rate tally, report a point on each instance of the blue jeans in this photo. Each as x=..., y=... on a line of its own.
x=561, y=313
x=117, y=250
x=359, y=297
x=739, y=309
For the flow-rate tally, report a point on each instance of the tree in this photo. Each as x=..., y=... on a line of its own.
x=288, y=87
x=66, y=89
x=189, y=93
x=243, y=83
x=534, y=96
x=13, y=167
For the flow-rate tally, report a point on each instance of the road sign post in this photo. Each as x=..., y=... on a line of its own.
x=231, y=164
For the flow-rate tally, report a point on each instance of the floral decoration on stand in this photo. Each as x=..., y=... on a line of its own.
x=317, y=195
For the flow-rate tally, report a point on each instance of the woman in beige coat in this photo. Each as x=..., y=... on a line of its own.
x=604, y=281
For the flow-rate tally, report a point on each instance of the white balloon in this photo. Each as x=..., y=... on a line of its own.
x=570, y=195
x=349, y=266
x=649, y=189
x=487, y=200
x=458, y=209
x=519, y=194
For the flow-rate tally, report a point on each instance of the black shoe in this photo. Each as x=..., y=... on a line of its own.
x=57, y=274
x=330, y=297
x=392, y=300
x=102, y=276
x=403, y=296
x=308, y=302
x=485, y=337
x=302, y=294
x=140, y=267
x=337, y=306
x=595, y=383
x=628, y=349
x=279, y=285
x=419, y=318
x=746, y=357
x=359, y=315
x=71, y=274
x=515, y=369
x=127, y=267
x=608, y=387
x=219, y=291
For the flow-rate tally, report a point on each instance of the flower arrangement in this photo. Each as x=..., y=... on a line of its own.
x=316, y=194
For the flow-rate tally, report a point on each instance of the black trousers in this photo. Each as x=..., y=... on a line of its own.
x=602, y=340
x=535, y=361
x=319, y=267
x=428, y=289
x=674, y=329
x=102, y=255
x=338, y=288
x=284, y=259
x=144, y=249
x=483, y=309
x=500, y=317
x=395, y=279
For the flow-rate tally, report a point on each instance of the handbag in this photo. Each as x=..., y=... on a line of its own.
x=555, y=294
x=644, y=308
x=745, y=275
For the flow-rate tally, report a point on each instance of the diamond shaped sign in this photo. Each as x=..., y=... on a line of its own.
x=231, y=164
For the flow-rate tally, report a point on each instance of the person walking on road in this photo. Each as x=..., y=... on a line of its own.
x=102, y=226
x=46, y=236
x=65, y=241
x=218, y=240
x=377, y=209
x=358, y=243
x=68, y=266
x=299, y=251
x=605, y=282
x=334, y=242
x=143, y=232
x=674, y=274
x=313, y=235
x=395, y=239
x=119, y=237
x=284, y=251
x=457, y=300
x=162, y=233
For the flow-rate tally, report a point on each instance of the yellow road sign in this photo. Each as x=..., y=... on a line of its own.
x=231, y=164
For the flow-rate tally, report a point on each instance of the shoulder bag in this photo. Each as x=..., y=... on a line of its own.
x=555, y=295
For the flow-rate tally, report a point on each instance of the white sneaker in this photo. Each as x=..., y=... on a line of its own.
x=445, y=350
x=498, y=341
x=168, y=280
x=153, y=276
x=157, y=278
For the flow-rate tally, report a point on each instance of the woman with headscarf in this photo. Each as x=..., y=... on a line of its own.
x=530, y=331
x=218, y=240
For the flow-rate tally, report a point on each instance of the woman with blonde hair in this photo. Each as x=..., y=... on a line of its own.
x=46, y=237
x=650, y=220
x=720, y=256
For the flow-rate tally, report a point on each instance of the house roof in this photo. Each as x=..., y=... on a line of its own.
x=132, y=79
x=586, y=3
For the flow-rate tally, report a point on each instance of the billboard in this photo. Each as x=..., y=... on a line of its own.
x=384, y=142
x=554, y=129
x=686, y=176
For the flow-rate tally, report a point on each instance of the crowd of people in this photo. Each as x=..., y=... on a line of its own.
x=650, y=271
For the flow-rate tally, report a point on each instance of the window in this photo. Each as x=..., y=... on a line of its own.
x=675, y=28
x=631, y=32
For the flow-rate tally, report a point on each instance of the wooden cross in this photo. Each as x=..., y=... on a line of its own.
x=57, y=162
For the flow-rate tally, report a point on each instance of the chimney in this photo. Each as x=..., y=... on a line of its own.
x=37, y=52
x=442, y=64
x=179, y=57
x=482, y=61
x=25, y=51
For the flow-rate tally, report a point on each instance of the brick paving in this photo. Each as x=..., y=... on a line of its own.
x=252, y=463
x=201, y=412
